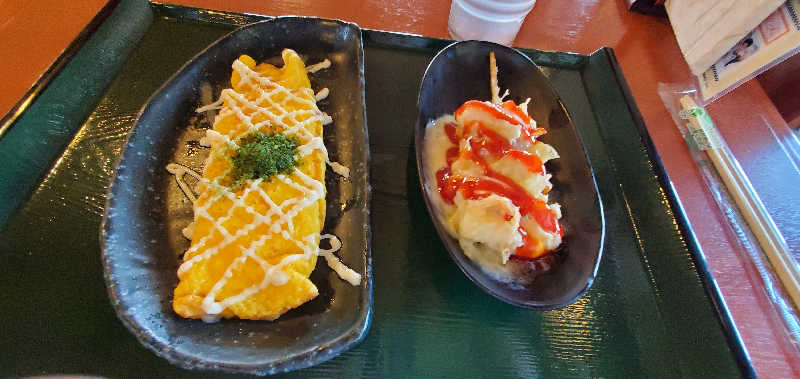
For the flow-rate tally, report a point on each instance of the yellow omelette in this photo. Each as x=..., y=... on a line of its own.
x=255, y=245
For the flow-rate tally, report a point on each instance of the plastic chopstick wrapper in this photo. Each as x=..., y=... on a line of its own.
x=762, y=246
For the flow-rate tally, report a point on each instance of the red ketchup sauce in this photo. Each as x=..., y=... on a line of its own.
x=482, y=143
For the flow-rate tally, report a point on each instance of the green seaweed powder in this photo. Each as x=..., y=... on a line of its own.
x=263, y=156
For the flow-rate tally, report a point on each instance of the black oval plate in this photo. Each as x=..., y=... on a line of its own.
x=141, y=237
x=460, y=72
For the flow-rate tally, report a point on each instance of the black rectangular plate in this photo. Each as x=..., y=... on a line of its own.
x=141, y=235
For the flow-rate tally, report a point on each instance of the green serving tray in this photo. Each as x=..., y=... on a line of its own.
x=654, y=310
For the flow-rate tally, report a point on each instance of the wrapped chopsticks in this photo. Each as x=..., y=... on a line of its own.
x=703, y=134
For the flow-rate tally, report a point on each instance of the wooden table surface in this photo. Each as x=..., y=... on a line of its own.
x=645, y=48
x=34, y=34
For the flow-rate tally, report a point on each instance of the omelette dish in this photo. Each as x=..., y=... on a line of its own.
x=259, y=205
x=491, y=185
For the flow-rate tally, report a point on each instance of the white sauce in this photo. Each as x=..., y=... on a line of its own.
x=322, y=94
x=435, y=157
x=279, y=216
x=318, y=66
x=483, y=240
x=179, y=171
x=188, y=231
x=335, y=264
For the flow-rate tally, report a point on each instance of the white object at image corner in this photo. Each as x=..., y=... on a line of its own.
x=488, y=20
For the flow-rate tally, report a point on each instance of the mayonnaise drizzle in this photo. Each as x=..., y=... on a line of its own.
x=322, y=94
x=279, y=217
x=334, y=263
x=179, y=171
x=318, y=66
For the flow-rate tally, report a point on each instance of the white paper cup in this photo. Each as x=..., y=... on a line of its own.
x=488, y=20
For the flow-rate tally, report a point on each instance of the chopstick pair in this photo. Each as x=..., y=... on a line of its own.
x=705, y=136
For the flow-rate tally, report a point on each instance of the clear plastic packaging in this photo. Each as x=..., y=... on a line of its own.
x=763, y=249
